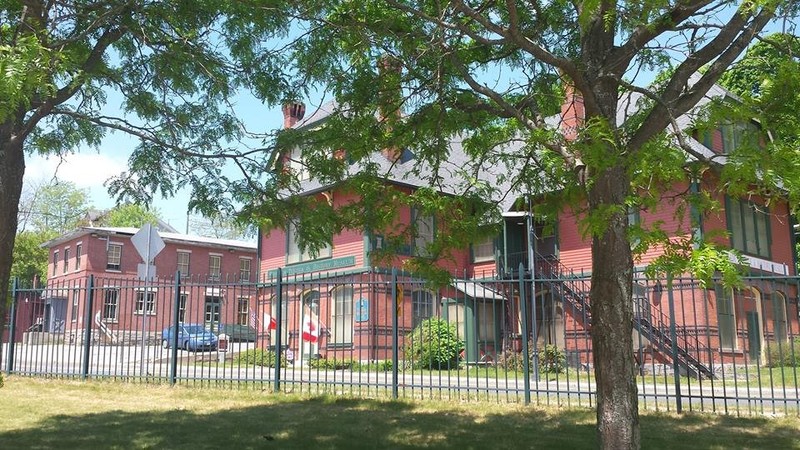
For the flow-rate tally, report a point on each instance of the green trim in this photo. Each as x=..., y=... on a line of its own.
x=315, y=266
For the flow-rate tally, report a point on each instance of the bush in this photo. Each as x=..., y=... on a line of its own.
x=259, y=357
x=551, y=359
x=784, y=354
x=332, y=364
x=433, y=344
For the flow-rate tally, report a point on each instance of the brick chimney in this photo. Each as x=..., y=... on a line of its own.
x=573, y=112
x=292, y=113
x=389, y=72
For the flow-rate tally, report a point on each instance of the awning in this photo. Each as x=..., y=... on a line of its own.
x=476, y=290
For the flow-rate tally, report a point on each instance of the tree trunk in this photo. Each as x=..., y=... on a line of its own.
x=12, y=169
x=612, y=317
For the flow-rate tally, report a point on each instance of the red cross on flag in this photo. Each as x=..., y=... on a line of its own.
x=310, y=330
x=270, y=322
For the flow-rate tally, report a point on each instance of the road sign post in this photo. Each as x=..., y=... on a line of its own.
x=148, y=244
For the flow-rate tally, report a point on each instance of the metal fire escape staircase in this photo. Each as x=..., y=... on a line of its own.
x=650, y=322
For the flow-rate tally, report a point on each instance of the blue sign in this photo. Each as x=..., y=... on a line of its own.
x=362, y=310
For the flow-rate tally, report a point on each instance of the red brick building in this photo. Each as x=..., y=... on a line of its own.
x=216, y=283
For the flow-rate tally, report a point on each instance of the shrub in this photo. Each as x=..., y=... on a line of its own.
x=433, y=344
x=784, y=354
x=259, y=357
x=332, y=364
x=551, y=359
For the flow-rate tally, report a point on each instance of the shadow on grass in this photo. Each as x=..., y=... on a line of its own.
x=353, y=424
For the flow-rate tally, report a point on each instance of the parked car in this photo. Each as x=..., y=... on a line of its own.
x=238, y=333
x=194, y=337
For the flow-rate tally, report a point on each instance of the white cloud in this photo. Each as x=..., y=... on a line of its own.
x=86, y=170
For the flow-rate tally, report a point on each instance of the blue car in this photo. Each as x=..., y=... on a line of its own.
x=194, y=337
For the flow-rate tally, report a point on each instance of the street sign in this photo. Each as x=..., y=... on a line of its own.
x=147, y=242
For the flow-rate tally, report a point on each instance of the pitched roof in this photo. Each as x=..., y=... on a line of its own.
x=166, y=236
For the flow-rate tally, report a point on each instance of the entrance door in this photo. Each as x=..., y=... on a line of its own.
x=211, y=319
x=753, y=337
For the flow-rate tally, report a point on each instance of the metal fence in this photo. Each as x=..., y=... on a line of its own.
x=384, y=333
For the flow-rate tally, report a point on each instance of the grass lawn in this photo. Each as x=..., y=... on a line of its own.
x=50, y=413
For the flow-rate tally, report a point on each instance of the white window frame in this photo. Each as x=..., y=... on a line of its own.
x=179, y=263
x=425, y=226
x=78, y=255
x=243, y=314
x=214, y=271
x=422, y=306
x=111, y=257
x=483, y=251
x=341, y=332
x=65, y=267
x=245, y=272
x=297, y=165
x=110, y=303
x=144, y=304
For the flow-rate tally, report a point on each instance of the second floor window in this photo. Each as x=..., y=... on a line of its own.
x=114, y=256
x=425, y=232
x=342, y=316
x=293, y=252
x=244, y=269
x=66, y=260
x=55, y=262
x=214, y=267
x=183, y=263
x=748, y=225
x=483, y=251
x=78, y=254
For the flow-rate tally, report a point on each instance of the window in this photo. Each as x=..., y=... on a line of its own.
x=78, y=254
x=182, y=299
x=455, y=315
x=726, y=320
x=75, y=298
x=110, y=302
x=145, y=303
x=295, y=255
x=779, y=316
x=213, y=308
x=425, y=232
x=55, y=262
x=483, y=251
x=342, y=316
x=243, y=311
x=244, y=269
x=484, y=313
x=114, y=256
x=65, y=268
x=748, y=224
x=421, y=306
x=183, y=263
x=298, y=166
x=214, y=267
x=735, y=135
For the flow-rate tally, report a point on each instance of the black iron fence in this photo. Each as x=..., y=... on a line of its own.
x=375, y=333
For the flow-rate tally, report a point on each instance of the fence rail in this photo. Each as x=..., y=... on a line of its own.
x=387, y=334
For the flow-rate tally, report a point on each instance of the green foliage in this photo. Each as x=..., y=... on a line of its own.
x=551, y=359
x=30, y=258
x=259, y=357
x=332, y=364
x=784, y=354
x=55, y=208
x=129, y=215
x=433, y=344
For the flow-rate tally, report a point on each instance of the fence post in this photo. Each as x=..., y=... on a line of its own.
x=278, y=327
x=87, y=332
x=12, y=329
x=395, y=335
x=526, y=370
x=673, y=336
x=176, y=310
